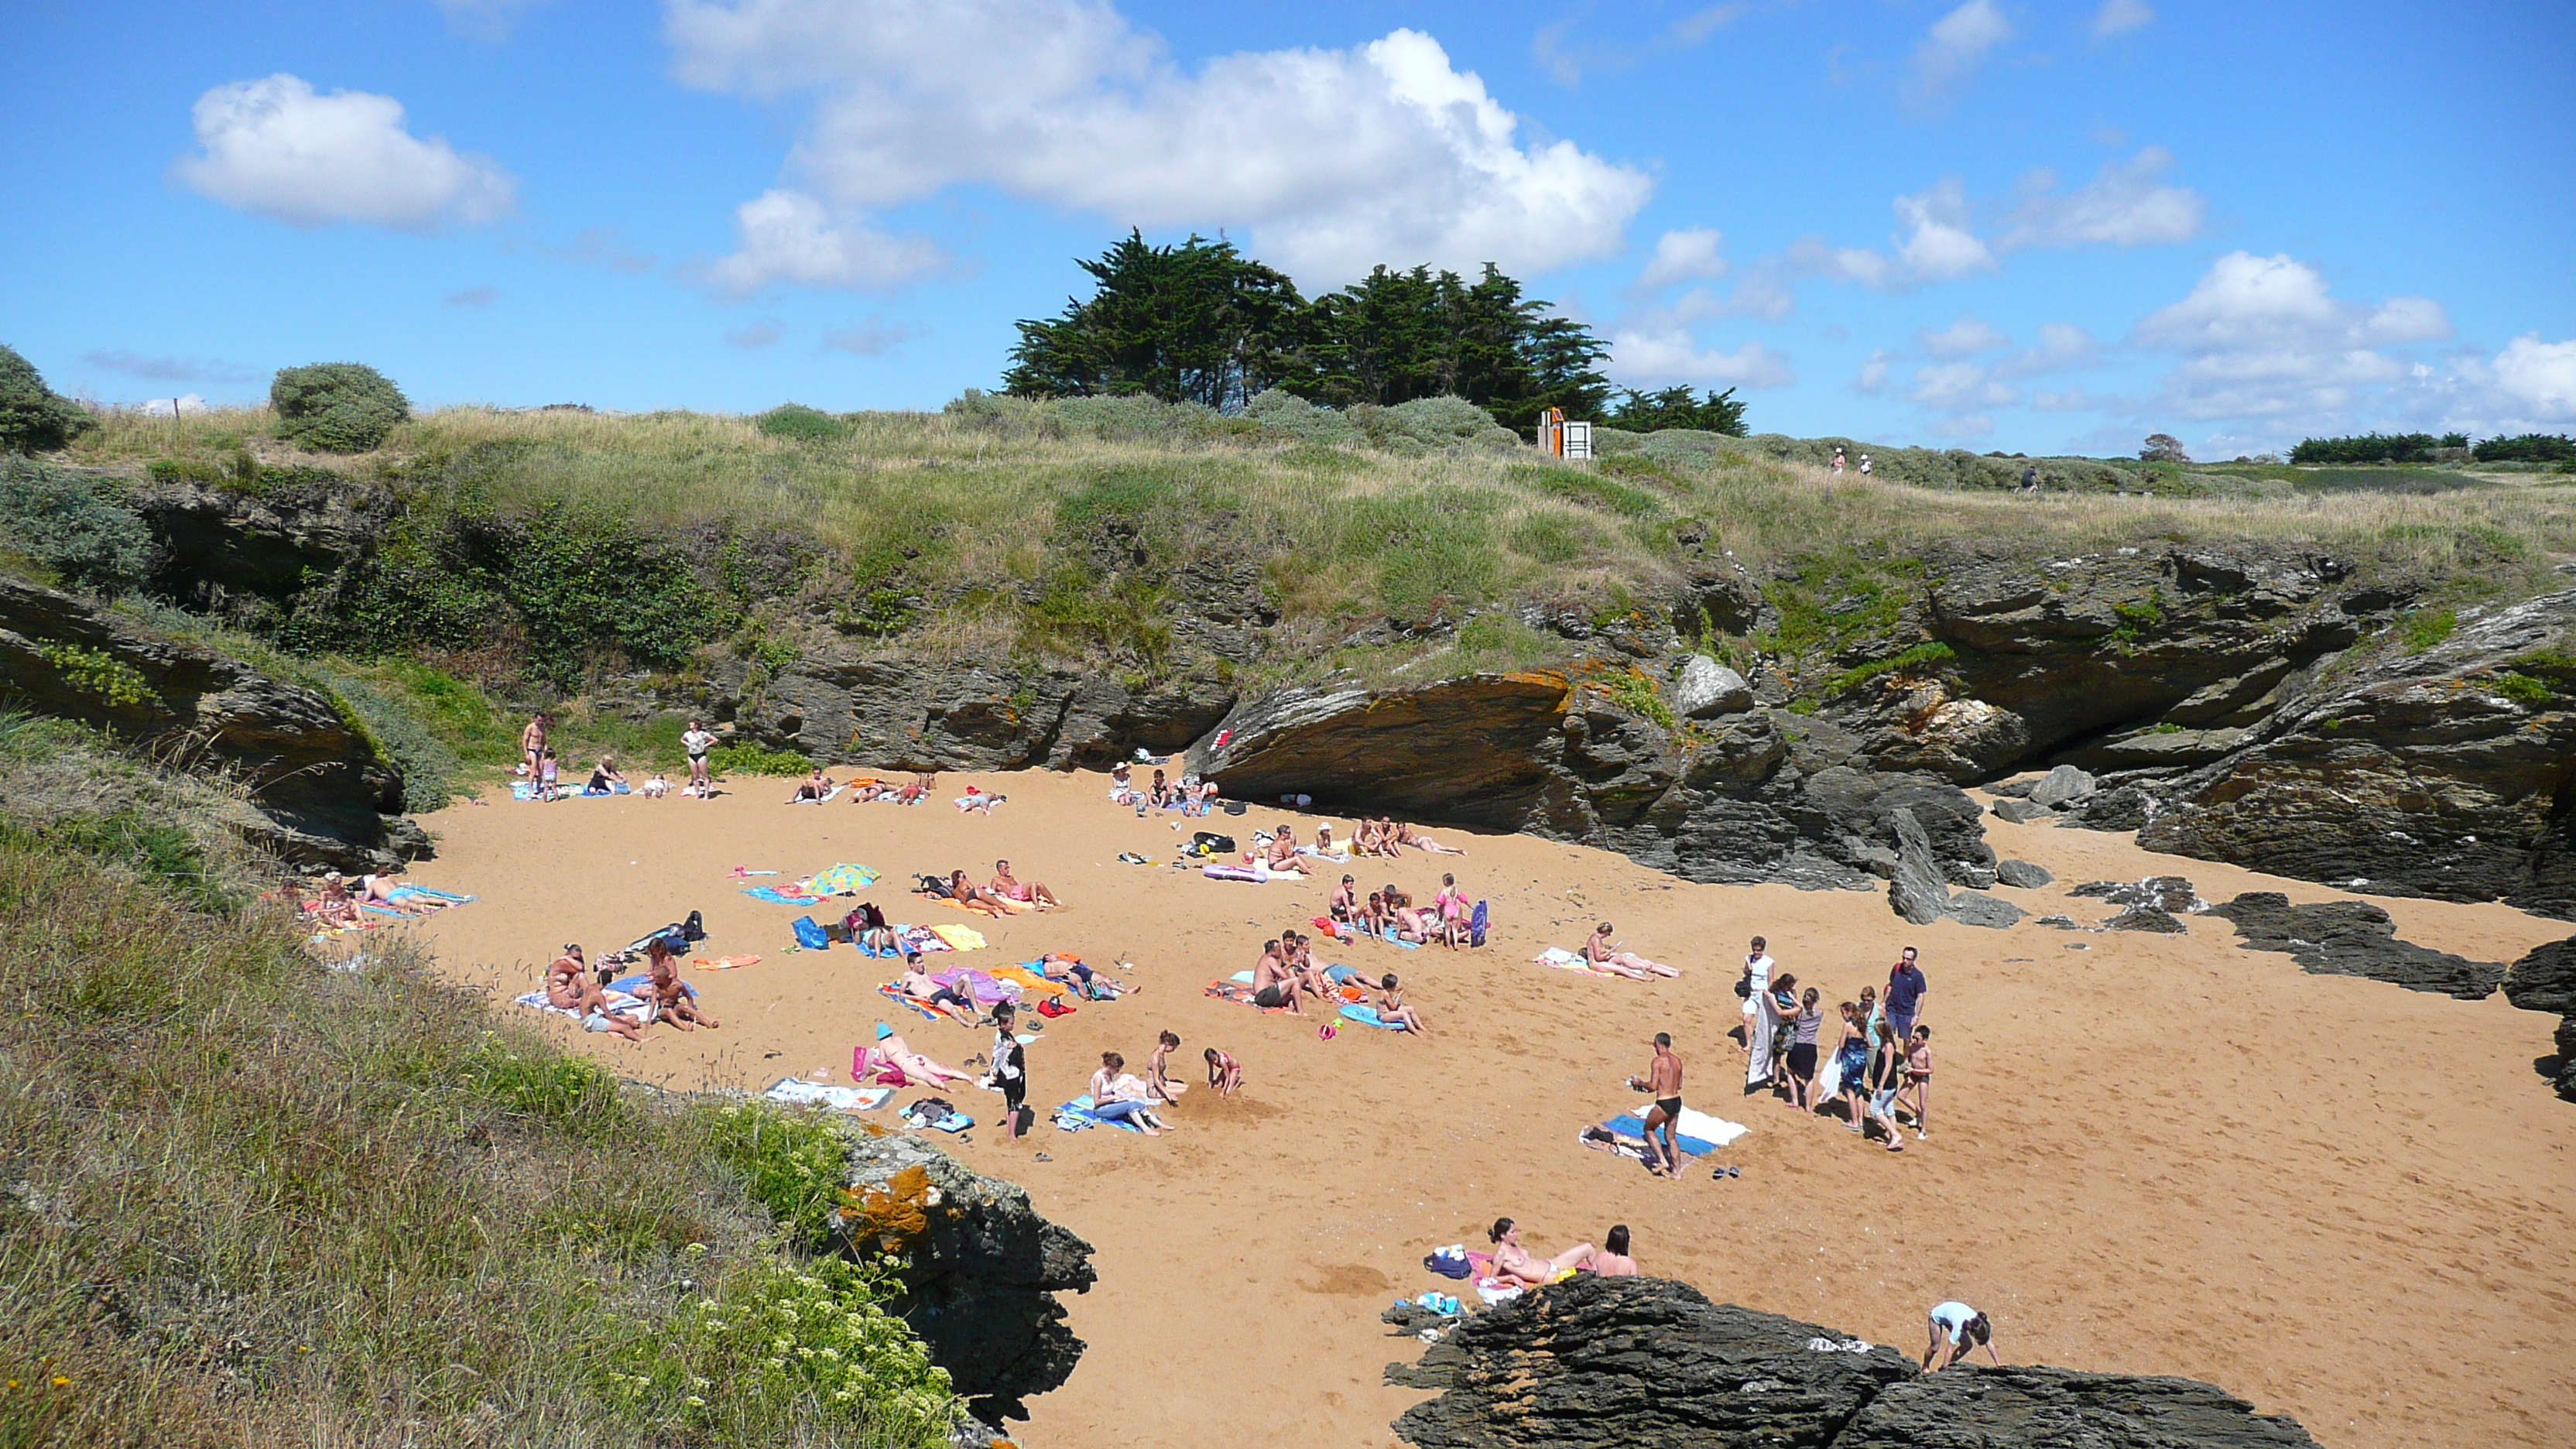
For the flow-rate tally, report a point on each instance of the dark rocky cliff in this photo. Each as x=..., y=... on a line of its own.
x=1600, y=1362
x=324, y=794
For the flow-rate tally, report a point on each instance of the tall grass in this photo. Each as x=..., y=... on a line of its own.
x=981, y=515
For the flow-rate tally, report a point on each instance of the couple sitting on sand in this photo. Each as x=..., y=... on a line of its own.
x=344, y=902
x=1517, y=1266
x=1007, y=895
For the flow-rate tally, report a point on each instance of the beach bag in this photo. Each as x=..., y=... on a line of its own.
x=810, y=936
x=694, y=929
x=1208, y=842
x=930, y=885
x=1744, y=988
x=1449, y=1262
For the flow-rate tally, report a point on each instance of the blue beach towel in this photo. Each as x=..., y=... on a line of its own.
x=810, y=936
x=1629, y=1124
x=1079, y=1112
x=1367, y=1016
x=766, y=893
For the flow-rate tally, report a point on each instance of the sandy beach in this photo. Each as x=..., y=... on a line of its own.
x=2341, y=1199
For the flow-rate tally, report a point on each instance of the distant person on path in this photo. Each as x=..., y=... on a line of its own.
x=697, y=742
x=1905, y=990
x=532, y=742
x=1010, y=1068
x=2030, y=479
x=1612, y=1261
x=1838, y=460
x=1662, y=1082
x=1864, y=465
x=1755, y=988
x=1955, y=1327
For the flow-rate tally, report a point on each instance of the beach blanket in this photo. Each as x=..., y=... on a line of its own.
x=1027, y=976
x=975, y=985
x=620, y=1003
x=1367, y=1016
x=784, y=896
x=1234, y=991
x=524, y=790
x=924, y=939
x=1697, y=1134
x=1565, y=960
x=424, y=893
x=1078, y=1116
x=955, y=1121
x=723, y=963
x=800, y=1092
x=962, y=938
x=827, y=796
x=890, y=993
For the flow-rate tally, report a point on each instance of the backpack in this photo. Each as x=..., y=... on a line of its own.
x=810, y=936
x=1449, y=1262
x=1208, y=842
x=694, y=929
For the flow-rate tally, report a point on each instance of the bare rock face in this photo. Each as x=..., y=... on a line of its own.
x=242, y=550
x=1917, y=892
x=1707, y=688
x=2022, y=812
x=2170, y=893
x=323, y=793
x=1595, y=1362
x=2545, y=980
x=908, y=714
x=1970, y=908
x=2354, y=938
x=2022, y=875
x=980, y=1268
x=2440, y=774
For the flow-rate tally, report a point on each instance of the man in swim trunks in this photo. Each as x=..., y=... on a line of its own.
x=532, y=742
x=918, y=988
x=1663, y=1082
x=1033, y=892
x=1283, y=851
x=1345, y=901
x=1274, y=985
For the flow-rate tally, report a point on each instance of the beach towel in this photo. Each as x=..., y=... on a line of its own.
x=1367, y=1016
x=800, y=1092
x=920, y=938
x=960, y=938
x=723, y=963
x=777, y=896
x=827, y=796
x=1243, y=976
x=1392, y=939
x=984, y=990
x=917, y=1119
x=424, y=893
x=1697, y=1134
x=1081, y=1115
x=891, y=993
x=1027, y=976
x=1234, y=991
x=620, y=1003
x=1565, y=960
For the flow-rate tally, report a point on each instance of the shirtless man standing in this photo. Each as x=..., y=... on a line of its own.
x=1663, y=1082
x=532, y=742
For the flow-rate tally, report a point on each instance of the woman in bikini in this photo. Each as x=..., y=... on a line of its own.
x=963, y=892
x=1516, y=1264
x=1407, y=835
x=1158, y=1073
x=893, y=1063
x=670, y=997
x=1597, y=953
x=1283, y=852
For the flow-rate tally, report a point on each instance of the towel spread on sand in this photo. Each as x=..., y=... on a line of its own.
x=784, y=896
x=840, y=1099
x=1697, y=1134
x=962, y=938
x=1082, y=1113
x=1234, y=991
x=892, y=993
x=1564, y=960
x=1026, y=976
x=620, y=1003
x=723, y=963
x=1367, y=1016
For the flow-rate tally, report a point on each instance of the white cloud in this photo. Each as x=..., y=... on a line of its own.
x=1873, y=373
x=789, y=237
x=1961, y=338
x=2119, y=17
x=1654, y=353
x=1329, y=160
x=874, y=337
x=1960, y=387
x=1964, y=426
x=1938, y=243
x=162, y=407
x=1682, y=256
x=2265, y=337
x=166, y=369
x=1955, y=46
x=278, y=149
x=2539, y=375
x=2072, y=400
x=2125, y=205
x=1693, y=28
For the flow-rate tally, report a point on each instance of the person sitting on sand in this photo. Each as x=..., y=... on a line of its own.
x=1158, y=1074
x=1375, y=917
x=1412, y=925
x=1407, y=835
x=334, y=906
x=1224, y=1072
x=1122, y=784
x=1274, y=986
x=1010, y=887
x=1162, y=795
x=963, y=892
x=918, y=789
x=893, y=1063
x=1283, y=852
x=1343, y=905
x=1391, y=1007
x=1323, y=845
x=1516, y=1264
x=813, y=787
x=869, y=929
x=1599, y=954
x=1202, y=800
x=1119, y=1097
x=931, y=996
x=1955, y=1327
x=569, y=985
x=671, y=999
x=604, y=777
x=1612, y=1261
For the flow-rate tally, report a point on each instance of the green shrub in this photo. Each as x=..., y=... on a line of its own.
x=2527, y=448
x=1637, y=694
x=336, y=407
x=741, y=757
x=61, y=520
x=101, y=675
x=2367, y=448
x=2523, y=689
x=531, y=1079
x=1929, y=652
x=790, y=1163
x=33, y=417
x=432, y=773
x=2424, y=628
x=804, y=424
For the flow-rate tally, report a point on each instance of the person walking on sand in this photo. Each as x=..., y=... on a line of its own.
x=1756, y=990
x=1918, y=1082
x=1955, y=1327
x=1662, y=1082
x=696, y=741
x=1886, y=1075
x=1802, y=1051
x=1905, y=991
x=1010, y=1068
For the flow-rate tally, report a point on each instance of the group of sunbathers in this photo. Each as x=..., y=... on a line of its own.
x=1390, y=912
x=1287, y=972
x=1387, y=837
x=1190, y=795
x=1005, y=895
x=1516, y=1266
x=571, y=985
x=343, y=901
x=819, y=786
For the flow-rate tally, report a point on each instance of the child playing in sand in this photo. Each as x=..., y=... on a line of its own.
x=1158, y=1076
x=1224, y=1072
x=1391, y=1007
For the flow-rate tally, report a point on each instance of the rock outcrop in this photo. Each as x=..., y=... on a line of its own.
x=899, y=713
x=1600, y=1362
x=980, y=1268
x=2450, y=773
x=325, y=795
x=1757, y=795
x=246, y=552
x=2354, y=938
x=2545, y=980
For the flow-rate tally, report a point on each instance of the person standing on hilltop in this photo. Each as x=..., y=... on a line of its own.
x=1838, y=460
x=697, y=742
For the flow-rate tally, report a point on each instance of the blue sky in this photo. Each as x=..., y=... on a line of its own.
x=1996, y=225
